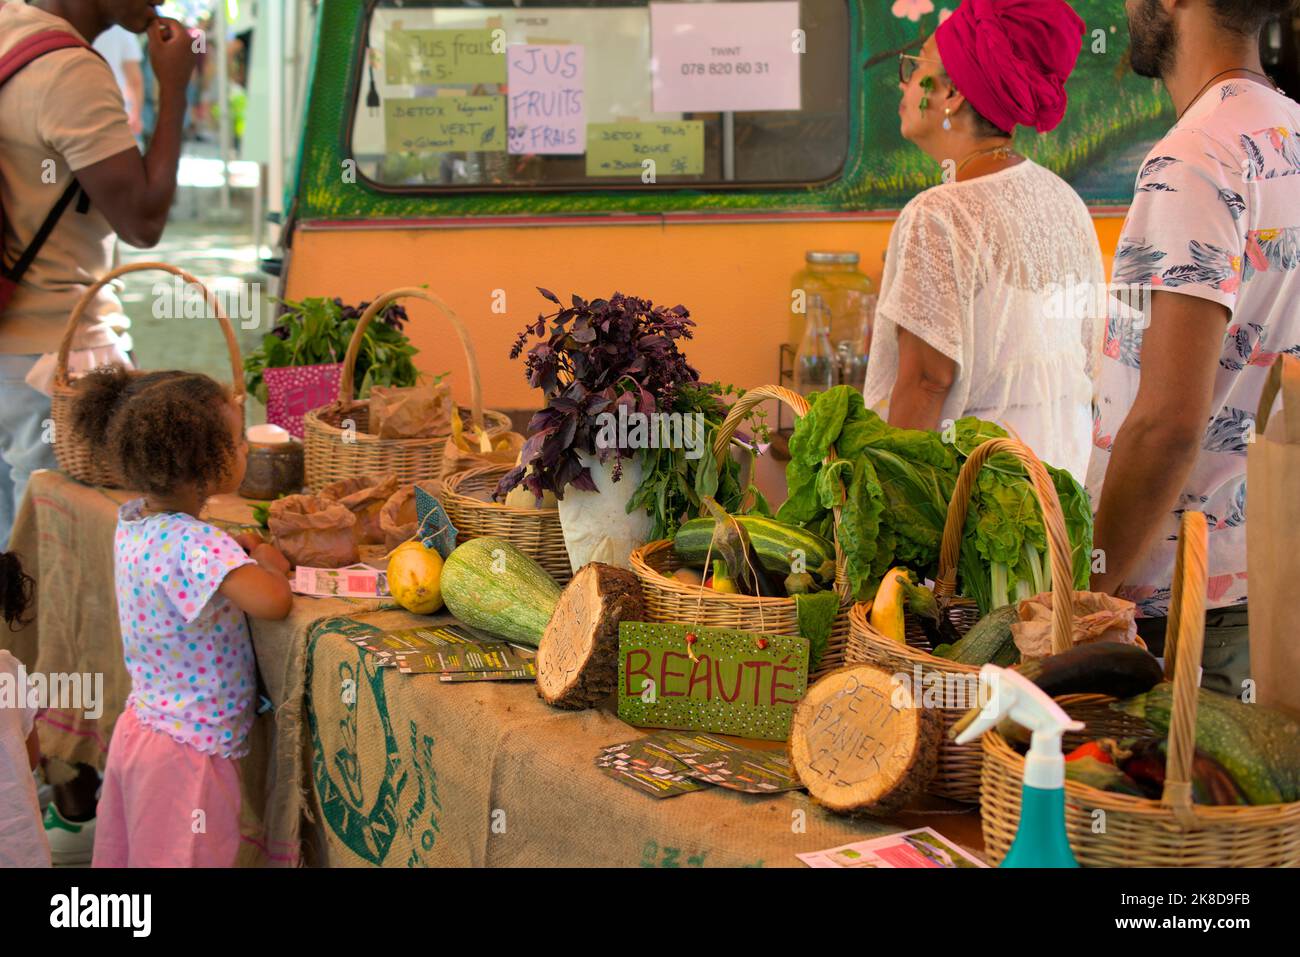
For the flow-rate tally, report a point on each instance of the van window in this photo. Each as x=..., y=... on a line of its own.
x=599, y=95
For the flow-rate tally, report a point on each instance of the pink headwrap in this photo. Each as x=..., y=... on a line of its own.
x=1011, y=58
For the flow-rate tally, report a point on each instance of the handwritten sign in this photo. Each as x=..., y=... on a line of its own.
x=731, y=682
x=443, y=124
x=430, y=57
x=546, y=103
x=711, y=57
x=621, y=149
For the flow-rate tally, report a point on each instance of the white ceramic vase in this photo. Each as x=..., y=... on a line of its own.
x=596, y=525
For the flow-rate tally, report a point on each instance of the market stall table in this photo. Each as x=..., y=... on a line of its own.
x=357, y=764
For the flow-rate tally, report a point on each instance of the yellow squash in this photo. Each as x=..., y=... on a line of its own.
x=888, y=605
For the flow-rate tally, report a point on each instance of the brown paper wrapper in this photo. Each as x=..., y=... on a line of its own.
x=457, y=459
x=1097, y=617
x=398, y=518
x=419, y=412
x=364, y=496
x=313, y=531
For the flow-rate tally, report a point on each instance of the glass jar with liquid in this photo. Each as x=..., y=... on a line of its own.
x=843, y=288
x=815, y=366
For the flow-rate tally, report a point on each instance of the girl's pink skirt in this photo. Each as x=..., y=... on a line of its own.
x=165, y=804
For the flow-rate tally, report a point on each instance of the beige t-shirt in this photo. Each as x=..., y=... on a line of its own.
x=64, y=107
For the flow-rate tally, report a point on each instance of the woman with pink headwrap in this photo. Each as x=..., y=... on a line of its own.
x=988, y=305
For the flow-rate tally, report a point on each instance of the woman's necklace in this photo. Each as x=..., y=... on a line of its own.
x=999, y=152
x=1236, y=69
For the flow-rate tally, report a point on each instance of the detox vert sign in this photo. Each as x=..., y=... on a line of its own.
x=704, y=679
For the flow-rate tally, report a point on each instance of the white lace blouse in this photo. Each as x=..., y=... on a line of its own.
x=1003, y=275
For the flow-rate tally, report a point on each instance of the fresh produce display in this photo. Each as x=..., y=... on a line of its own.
x=619, y=356
x=887, y=607
x=414, y=576
x=893, y=487
x=490, y=584
x=1257, y=746
x=1099, y=774
x=776, y=544
x=1211, y=782
x=987, y=642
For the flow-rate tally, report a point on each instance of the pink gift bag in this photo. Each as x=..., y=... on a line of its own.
x=293, y=391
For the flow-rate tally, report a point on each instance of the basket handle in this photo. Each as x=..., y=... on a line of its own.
x=354, y=346
x=799, y=406
x=1283, y=377
x=61, y=378
x=1058, y=539
x=1184, y=642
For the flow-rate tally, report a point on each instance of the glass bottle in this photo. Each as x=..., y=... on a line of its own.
x=855, y=352
x=814, y=363
x=835, y=277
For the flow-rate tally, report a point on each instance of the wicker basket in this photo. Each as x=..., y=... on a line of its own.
x=673, y=601
x=337, y=438
x=534, y=531
x=79, y=458
x=958, y=775
x=1139, y=832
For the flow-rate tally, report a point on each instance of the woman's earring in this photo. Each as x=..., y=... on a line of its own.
x=947, y=118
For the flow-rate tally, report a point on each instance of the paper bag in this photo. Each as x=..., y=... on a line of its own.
x=364, y=496
x=1097, y=617
x=1272, y=558
x=467, y=448
x=419, y=412
x=313, y=531
x=398, y=517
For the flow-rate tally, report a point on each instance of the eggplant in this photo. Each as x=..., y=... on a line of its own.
x=1104, y=667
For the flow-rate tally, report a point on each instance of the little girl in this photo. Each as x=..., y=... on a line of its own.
x=171, y=795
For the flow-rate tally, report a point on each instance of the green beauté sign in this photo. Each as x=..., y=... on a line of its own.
x=704, y=679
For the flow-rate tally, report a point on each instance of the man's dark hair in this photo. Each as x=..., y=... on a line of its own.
x=1247, y=17
x=162, y=429
x=16, y=591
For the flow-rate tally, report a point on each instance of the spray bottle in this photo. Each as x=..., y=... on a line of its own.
x=1041, y=839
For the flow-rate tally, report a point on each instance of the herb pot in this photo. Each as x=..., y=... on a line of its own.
x=597, y=526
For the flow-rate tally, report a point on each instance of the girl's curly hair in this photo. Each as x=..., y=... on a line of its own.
x=16, y=591
x=161, y=429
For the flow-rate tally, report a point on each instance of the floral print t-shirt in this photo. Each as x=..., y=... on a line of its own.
x=188, y=649
x=1216, y=215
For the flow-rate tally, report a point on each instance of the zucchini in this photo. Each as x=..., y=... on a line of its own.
x=985, y=641
x=1258, y=746
x=491, y=585
x=1104, y=667
x=775, y=544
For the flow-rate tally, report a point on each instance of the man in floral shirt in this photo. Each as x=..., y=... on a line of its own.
x=1214, y=235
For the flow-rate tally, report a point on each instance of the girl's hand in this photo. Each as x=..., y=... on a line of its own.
x=249, y=541
x=270, y=558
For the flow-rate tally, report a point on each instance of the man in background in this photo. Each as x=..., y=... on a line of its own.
x=1213, y=237
x=121, y=50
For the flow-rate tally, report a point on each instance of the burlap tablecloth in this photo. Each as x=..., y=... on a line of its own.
x=359, y=765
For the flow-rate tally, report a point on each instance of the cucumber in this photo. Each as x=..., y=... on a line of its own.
x=490, y=584
x=775, y=543
x=1257, y=746
x=985, y=641
x=1104, y=667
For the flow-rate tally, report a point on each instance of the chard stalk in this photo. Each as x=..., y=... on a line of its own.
x=998, y=584
x=1035, y=568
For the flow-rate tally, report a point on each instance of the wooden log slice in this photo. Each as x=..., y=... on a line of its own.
x=577, y=659
x=860, y=743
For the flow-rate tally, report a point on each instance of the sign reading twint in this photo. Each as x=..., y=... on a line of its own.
x=713, y=57
x=702, y=679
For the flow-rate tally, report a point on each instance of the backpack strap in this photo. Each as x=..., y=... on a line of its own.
x=20, y=55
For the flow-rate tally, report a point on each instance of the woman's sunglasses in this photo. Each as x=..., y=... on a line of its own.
x=908, y=65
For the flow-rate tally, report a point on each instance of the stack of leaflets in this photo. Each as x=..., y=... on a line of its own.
x=454, y=652
x=354, y=581
x=668, y=763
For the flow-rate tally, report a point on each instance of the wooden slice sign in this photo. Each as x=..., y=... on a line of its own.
x=859, y=741
x=577, y=658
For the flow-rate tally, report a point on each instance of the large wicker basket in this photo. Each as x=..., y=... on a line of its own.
x=958, y=774
x=78, y=457
x=337, y=440
x=1138, y=832
x=670, y=600
x=534, y=531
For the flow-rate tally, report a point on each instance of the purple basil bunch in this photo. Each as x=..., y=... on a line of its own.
x=593, y=357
